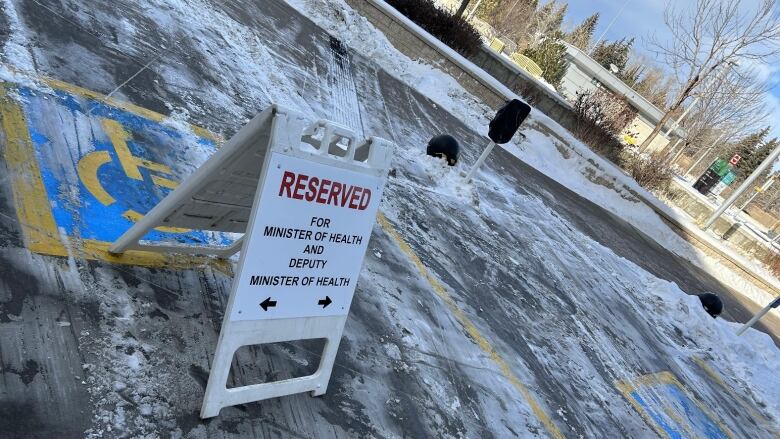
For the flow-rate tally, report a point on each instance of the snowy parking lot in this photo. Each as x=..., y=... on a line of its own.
x=508, y=307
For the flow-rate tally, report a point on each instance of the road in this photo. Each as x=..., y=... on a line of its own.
x=536, y=304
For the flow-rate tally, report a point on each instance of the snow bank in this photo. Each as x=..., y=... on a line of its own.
x=556, y=153
x=579, y=169
x=247, y=61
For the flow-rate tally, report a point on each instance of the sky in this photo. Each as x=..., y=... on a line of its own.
x=642, y=18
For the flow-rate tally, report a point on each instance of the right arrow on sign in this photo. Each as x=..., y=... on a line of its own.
x=267, y=303
x=325, y=302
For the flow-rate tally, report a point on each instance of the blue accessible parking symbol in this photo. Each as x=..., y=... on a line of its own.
x=668, y=407
x=103, y=165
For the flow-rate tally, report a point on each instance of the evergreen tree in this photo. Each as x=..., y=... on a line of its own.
x=615, y=52
x=557, y=18
x=582, y=34
x=631, y=75
x=549, y=55
x=546, y=22
x=749, y=145
x=547, y=10
x=753, y=149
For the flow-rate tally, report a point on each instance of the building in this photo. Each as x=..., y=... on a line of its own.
x=586, y=74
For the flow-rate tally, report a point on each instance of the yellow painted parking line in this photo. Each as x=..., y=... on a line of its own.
x=113, y=102
x=717, y=378
x=140, y=111
x=32, y=205
x=626, y=387
x=471, y=328
x=132, y=215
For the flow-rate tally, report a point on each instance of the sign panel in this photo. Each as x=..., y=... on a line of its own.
x=304, y=252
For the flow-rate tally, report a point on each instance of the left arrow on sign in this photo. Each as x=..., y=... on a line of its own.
x=267, y=303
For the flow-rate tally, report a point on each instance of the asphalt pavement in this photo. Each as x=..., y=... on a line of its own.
x=528, y=323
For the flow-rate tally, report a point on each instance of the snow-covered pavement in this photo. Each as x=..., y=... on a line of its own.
x=510, y=307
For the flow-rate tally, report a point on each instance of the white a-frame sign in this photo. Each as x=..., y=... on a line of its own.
x=305, y=197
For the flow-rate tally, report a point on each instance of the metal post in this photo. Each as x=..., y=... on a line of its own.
x=671, y=150
x=682, y=116
x=480, y=160
x=677, y=156
x=675, y=145
x=759, y=170
x=763, y=188
x=744, y=205
x=714, y=144
x=474, y=11
x=773, y=304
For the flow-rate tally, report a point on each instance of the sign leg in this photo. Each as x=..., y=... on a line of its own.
x=217, y=384
x=326, y=365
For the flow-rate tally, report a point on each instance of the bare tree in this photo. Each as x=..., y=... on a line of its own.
x=736, y=100
x=734, y=103
x=546, y=22
x=712, y=35
x=513, y=21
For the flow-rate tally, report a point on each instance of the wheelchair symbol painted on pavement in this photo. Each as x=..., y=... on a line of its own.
x=89, y=167
x=90, y=164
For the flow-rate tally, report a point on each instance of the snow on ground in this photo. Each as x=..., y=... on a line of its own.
x=577, y=169
x=672, y=313
x=751, y=358
x=572, y=170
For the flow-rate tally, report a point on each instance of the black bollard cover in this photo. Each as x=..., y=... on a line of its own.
x=444, y=146
x=508, y=120
x=711, y=303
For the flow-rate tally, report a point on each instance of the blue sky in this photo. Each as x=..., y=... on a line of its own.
x=642, y=18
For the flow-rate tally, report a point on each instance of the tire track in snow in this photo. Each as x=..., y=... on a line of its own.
x=344, y=102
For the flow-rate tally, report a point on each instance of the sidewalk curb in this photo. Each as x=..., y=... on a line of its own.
x=695, y=234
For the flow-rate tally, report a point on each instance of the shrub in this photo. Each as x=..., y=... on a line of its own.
x=606, y=110
x=453, y=31
x=773, y=264
x=601, y=117
x=652, y=172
